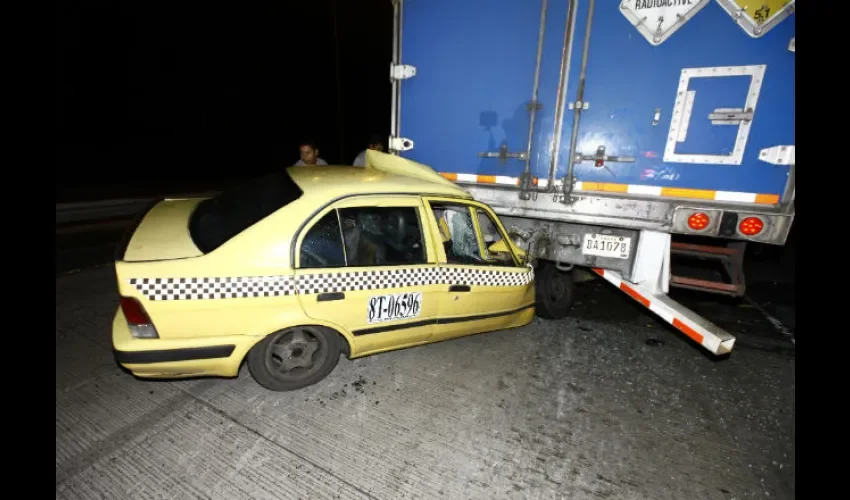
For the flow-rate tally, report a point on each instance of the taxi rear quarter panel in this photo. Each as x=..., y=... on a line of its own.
x=261, y=251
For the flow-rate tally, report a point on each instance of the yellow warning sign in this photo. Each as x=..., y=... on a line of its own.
x=757, y=17
x=762, y=10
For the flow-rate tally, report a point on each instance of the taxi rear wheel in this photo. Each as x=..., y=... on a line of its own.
x=294, y=358
x=555, y=291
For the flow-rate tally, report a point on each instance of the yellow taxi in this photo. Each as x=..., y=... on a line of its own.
x=292, y=270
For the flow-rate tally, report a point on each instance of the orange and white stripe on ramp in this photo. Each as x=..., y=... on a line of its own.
x=710, y=336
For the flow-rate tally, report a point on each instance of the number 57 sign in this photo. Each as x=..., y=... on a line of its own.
x=757, y=17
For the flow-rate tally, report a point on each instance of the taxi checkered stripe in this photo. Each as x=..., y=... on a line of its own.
x=351, y=281
x=485, y=277
x=214, y=288
x=314, y=283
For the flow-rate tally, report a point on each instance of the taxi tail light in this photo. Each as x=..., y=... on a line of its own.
x=141, y=326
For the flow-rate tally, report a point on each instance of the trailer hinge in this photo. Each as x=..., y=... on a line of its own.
x=400, y=144
x=791, y=44
x=778, y=155
x=402, y=71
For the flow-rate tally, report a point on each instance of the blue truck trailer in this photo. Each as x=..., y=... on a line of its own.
x=598, y=130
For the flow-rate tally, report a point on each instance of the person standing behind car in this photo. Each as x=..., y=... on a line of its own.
x=375, y=143
x=309, y=155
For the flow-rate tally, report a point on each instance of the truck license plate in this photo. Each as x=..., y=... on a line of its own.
x=604, y=245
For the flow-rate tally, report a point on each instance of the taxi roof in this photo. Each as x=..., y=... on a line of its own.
x=333, y=181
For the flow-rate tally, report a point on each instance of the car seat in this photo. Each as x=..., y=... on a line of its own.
x=401, y=236
x=371, y=250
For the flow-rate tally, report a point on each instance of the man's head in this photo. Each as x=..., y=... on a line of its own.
x=376, y=142
x=309, y=152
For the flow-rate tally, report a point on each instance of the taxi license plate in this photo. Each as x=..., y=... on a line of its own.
x=606, y=245
x=393, y=307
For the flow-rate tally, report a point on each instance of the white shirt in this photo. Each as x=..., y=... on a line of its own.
x=360, y=161
x=319, y=161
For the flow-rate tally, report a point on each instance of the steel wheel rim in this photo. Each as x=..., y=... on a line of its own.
x=295, y=353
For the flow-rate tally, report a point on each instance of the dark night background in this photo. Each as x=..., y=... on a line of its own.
x=167, y=97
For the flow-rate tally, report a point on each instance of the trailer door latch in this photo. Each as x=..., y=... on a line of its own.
x=502, y=154
x=600, y=158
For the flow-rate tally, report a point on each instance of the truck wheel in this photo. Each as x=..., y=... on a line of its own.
x=555, y=292
x=295, y=357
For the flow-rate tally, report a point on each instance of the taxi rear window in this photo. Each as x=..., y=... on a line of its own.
x=220, y=218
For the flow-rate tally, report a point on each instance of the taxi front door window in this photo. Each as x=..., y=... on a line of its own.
x=490, y=234
x=463, y=246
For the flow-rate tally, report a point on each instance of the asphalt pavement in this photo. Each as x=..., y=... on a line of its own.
x=610, y=403
x=84, y=246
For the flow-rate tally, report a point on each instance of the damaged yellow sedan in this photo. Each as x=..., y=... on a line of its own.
x=293, y=270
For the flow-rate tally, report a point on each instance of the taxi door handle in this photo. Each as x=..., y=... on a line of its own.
x=327, y=297
x=459, y=288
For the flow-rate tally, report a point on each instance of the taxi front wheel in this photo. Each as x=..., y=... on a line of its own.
x=294, y=358
x=555, y=291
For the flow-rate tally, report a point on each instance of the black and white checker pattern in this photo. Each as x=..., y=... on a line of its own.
x=351, y=281
x=486, y=277
x=214, y=288
x=308, y=284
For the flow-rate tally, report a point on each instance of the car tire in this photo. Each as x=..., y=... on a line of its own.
x=295, y=358
x=555, y=292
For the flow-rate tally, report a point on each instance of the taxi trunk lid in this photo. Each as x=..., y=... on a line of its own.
x=162, y=233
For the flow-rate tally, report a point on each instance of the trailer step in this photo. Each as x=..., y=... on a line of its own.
x=731, y=256
x=705, y=251
x=707, y=286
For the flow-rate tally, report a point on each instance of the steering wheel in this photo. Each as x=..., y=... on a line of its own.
x=323, y=261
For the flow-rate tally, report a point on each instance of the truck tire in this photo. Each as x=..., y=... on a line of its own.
x=555, y=291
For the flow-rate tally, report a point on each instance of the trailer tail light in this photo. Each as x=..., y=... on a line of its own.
x=698, y=221
x=751, y=226
x=140, y=323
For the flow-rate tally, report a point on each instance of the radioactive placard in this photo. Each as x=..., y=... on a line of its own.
x=757, y=17
x=656, y=20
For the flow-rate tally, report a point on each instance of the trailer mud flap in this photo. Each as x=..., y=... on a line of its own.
x=708, y=335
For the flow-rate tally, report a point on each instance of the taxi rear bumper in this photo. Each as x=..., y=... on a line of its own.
x=219, y=356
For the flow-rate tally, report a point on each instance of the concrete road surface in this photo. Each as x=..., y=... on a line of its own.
x=610, y=404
